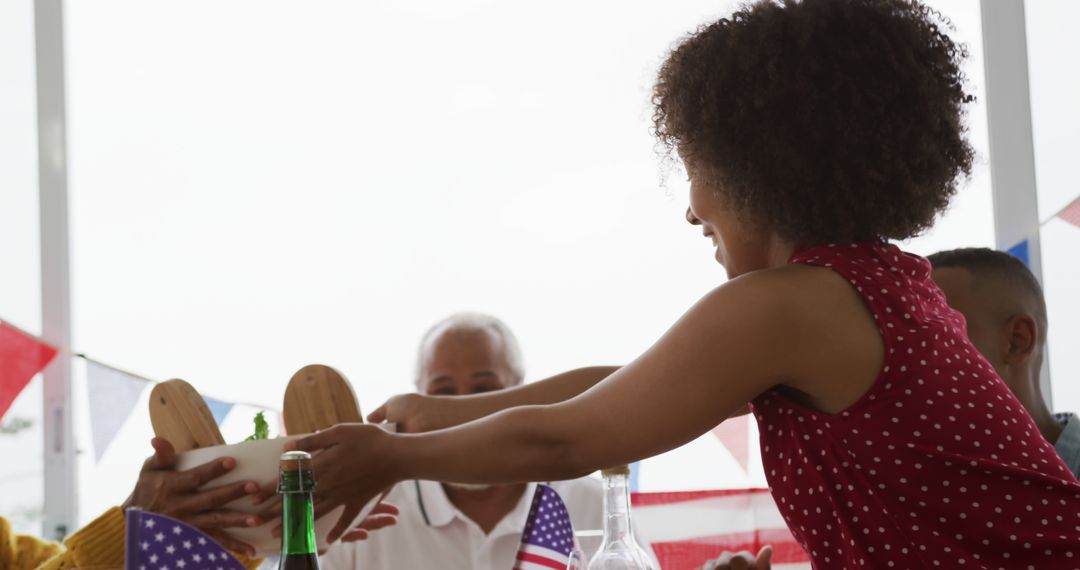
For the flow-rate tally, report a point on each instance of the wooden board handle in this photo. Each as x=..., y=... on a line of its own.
x=180, y=415
x=318, y=397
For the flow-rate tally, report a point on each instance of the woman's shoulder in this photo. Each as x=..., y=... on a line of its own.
x=793, y=288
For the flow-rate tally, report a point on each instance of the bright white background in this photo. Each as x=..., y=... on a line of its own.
x=255, y=187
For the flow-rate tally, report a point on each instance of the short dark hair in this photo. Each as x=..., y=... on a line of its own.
x=822, y=120
x=985, y=263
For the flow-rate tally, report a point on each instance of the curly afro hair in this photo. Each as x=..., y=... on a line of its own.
x=822, y=120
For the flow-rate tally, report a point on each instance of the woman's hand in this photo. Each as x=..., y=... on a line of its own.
x=741, y=561
x=353, y=464
x=413, y=413
x=176, y=494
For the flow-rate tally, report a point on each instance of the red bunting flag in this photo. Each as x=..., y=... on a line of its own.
x=21, y=357
x=1071, y=213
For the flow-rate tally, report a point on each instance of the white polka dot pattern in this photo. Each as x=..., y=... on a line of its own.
x=937, y=465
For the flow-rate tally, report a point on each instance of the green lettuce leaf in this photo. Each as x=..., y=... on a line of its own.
x=262, y=429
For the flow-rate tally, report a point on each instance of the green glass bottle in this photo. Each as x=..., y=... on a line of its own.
x=296, y=481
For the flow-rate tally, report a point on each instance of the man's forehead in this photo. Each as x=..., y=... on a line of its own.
x=475, y=341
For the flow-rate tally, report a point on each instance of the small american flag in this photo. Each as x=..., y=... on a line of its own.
x=157, y=542
x=548, y=538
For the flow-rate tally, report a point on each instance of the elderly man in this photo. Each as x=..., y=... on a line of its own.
x=1006, y=321
x=466, y=527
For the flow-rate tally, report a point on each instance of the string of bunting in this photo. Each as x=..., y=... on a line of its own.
x=113, y=393
x=1069, y=214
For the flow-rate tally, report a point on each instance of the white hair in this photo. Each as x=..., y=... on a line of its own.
x=476, y=322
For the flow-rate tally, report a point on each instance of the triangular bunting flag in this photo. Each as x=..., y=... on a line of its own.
x=734, y=434
x=1020, y=251
x=280, y=421
x=1071, y=213
x=21, y=357
x=112, y=394
x=218, y=409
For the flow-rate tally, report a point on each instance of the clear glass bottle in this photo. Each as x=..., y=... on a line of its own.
x=619, y=550
x=296, y=482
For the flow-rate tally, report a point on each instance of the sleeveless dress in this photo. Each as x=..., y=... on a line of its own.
x=937, y=465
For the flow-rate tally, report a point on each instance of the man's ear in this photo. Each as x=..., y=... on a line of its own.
x=1023, y=336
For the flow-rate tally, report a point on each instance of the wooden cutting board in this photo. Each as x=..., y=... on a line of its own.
x=179, y=414
x=318, y=397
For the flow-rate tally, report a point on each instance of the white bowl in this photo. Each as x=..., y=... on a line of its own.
x=258, y=460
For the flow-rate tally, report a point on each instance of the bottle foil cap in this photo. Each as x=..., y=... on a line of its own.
x=617, y=470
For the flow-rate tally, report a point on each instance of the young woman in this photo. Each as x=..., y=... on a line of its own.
x=813, y=132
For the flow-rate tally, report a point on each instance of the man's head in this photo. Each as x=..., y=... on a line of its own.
x=1004, y=307
x=468, y=353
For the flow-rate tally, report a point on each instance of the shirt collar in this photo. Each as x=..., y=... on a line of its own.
x=1068, y=443
x=441, y=512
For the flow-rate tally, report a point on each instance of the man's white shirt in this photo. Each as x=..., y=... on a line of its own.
x=432, y=533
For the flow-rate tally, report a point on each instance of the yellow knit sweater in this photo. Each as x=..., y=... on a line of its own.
x=98, y=545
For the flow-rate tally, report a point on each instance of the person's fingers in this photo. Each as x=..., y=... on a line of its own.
x=738, y=563
x=322, y=440
x=764, y=558
x=343, y=523
x=385, y=509
x=378, y=416
x=198, y=502
x=266, y=492
x=376, y=522
x=741, y=561
x=231, y=544
x=219, y=519
x=196, y=477
x=164, y=455
x=354, y=535
x=270, y=510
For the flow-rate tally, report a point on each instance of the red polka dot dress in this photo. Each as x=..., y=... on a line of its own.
x=937, y=465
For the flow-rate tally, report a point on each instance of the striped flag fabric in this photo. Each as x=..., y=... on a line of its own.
x=158, y=542
x=548, y=539
x=687, y=528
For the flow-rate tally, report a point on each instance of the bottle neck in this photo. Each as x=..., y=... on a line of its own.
x=297, y=517
x=617, y=508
